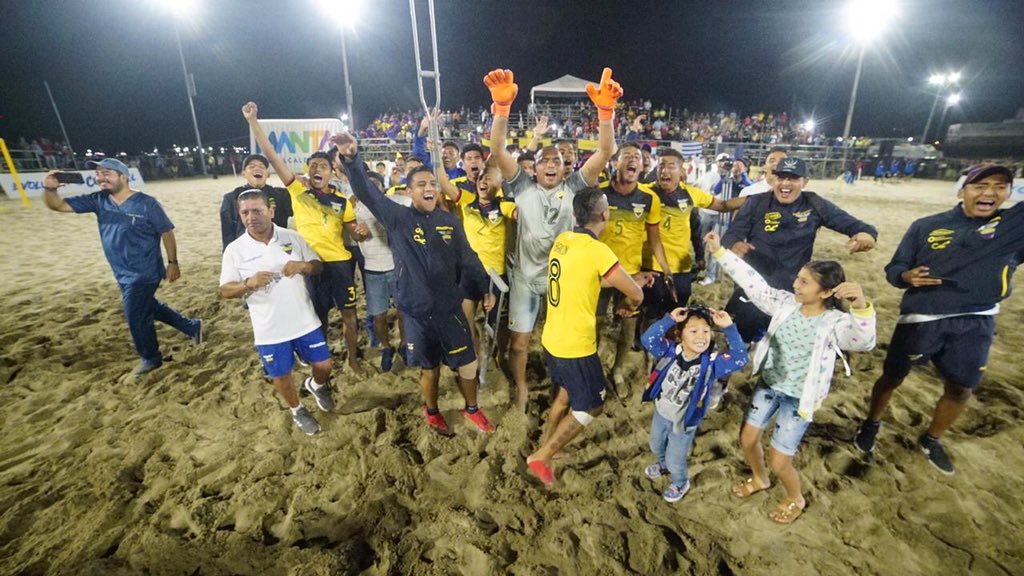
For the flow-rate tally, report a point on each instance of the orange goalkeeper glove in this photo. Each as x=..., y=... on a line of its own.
x=503, y=91
x=605, y=96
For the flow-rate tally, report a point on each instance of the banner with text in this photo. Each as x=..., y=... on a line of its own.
x=295, y=140
x=33, y=183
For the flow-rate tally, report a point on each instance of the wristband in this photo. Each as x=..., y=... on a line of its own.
x=501, y=108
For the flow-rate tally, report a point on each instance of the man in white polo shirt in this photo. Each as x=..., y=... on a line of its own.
x=265, y=266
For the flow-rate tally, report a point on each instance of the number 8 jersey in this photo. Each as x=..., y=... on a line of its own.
x=577, y=264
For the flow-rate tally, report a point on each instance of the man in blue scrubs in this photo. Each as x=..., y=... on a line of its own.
x=132, y=225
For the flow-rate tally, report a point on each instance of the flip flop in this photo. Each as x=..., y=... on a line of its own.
x=786, y=513
x=746, y=489
x=542, y=471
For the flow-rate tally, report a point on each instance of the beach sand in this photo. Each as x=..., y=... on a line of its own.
x=198, y=469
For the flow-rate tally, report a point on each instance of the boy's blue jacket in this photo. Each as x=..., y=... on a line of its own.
x=712, y=366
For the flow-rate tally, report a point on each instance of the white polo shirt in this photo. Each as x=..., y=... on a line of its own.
x=759, y=187
x=281, y=311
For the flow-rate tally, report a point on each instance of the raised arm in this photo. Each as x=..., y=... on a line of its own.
x=503, y=93
x=249, y=111
x=384, y=209
x=604, y=97
x=51, y=198
x=539, y=131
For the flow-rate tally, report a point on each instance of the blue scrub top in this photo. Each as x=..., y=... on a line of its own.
x=130, y=234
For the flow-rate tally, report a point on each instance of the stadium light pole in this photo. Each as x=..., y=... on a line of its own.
x=951, y=100
x=181, y=10
x=345, y=13
x=939, y=81
x=864, y=28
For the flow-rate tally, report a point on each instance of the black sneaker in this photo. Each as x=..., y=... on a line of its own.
x=936, y=454
x=865, y=439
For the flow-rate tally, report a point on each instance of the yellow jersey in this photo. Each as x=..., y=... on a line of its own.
x=486, y=228
x=319, y=219
x=630, y=214
x=676, y=207
x=577, y=264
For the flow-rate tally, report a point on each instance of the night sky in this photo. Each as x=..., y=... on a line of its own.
x=113, y=64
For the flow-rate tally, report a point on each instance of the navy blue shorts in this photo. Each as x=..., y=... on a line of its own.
x=751, y=323
x=439, y=338
x=335, y=287
x=658, y=300
x=279, y=358
x=582, y=378
x=957, y=346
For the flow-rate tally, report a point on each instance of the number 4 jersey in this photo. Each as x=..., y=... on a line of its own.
x=577, y=264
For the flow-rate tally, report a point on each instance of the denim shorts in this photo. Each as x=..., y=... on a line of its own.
x=380, y=288
x=523, y=307
x=789, y=426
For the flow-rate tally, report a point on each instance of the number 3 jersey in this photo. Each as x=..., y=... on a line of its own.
x=577, y=264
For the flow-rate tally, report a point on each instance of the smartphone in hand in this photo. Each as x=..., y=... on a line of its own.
x=69, y=178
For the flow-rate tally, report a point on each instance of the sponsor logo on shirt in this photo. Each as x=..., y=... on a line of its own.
x=940, y=238
x=445, y=232
x=417, y=236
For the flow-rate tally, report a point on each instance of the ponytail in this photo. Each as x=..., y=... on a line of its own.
x=829, y=275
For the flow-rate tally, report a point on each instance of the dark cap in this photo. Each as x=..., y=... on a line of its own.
x=255, y=158
x=792, y=167
x=981, y=171
x=110, y=164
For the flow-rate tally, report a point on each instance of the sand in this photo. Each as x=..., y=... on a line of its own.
x=197, y=468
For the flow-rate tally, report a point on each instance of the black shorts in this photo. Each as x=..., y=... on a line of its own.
x=607, y=295
x=582, y=378
x=335, y=287
x=658, y=300
x=492, y=316
x=957, y=346
x=439, y=338
x=751, y=323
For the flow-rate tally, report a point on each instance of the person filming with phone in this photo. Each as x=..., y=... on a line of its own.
x=132, y=226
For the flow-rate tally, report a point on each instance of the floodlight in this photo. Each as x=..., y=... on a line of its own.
x=863, y=22
x=953, y=99
x=809, y=125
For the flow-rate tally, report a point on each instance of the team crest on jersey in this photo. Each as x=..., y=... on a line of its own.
x=445, y=232
x=494, y=216
x=638, y=210
x=988, y=229
x=771, y=221
x=417, y=235
x=801, y=217
x=337, y=208
x=287, y=248
x=940, y=238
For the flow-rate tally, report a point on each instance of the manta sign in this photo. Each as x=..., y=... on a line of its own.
x=33, y=183
x=295, y=140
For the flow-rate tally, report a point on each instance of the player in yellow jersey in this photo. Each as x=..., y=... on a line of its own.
x=635, y=214
x=679, y=237
x=578, y=267
x=320, y=213
x=485, y=217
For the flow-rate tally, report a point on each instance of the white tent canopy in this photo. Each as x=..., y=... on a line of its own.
x=565, y=87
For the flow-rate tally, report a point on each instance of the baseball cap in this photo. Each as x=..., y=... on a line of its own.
x=255, y=158
x=723, y=156
x=109, y=164
x=792, y=167
x=979, y=172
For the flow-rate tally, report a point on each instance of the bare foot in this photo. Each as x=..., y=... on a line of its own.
x=357, y=369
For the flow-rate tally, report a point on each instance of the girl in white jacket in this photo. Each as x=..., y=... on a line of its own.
x=796, y=358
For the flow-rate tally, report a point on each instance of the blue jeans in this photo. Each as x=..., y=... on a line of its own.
x=141, y=309
x=672, y=448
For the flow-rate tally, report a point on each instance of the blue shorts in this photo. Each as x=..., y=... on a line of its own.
x=582, y=378
x=439, y=338
x=789, y=426
x=958, y=346
x=379, y=287
x=335, y=287
x=278, y=359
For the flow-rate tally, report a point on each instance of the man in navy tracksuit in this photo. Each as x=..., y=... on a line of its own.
x=432, y=259
x=955, y=267
x=775, y=234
